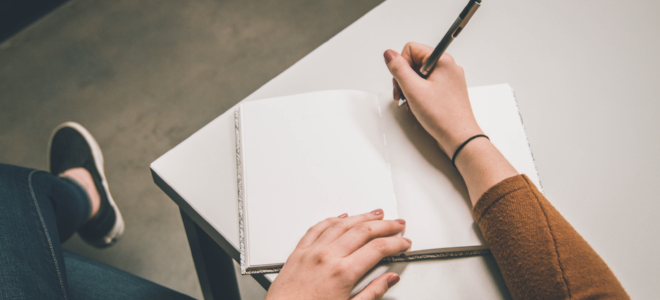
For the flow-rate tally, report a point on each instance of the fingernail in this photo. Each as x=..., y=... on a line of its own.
x=377, y=212
x=401, y=221
x=394, y=279
x=389, y=54
x=407, y=239
x=344, y=215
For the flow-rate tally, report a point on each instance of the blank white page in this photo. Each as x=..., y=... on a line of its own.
x=431, y=194
x=306, y=158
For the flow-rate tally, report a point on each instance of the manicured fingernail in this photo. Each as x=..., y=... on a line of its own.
x=407, y=239
x=344, y=215
x=401, y=221
x=393, y=280
x=377, y=212
x=389, y=54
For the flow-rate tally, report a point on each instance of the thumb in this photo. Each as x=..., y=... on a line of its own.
x=377, y=288
x=400, y=68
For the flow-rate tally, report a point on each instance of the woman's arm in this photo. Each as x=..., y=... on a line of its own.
x=539, y=253
x=441, y=105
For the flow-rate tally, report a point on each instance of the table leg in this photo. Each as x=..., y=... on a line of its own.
x=215, y=268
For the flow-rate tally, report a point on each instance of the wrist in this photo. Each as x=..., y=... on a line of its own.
x=460, y=147
x=449, y=143
x=482, y=166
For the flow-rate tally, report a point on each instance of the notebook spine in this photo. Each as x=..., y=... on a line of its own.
x=240, y=184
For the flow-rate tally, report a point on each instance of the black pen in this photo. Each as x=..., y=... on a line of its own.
x=453, y=32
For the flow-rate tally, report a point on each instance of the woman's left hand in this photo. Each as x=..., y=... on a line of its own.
x=335, y=253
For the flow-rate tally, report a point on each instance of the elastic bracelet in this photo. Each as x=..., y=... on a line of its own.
x=453, y=158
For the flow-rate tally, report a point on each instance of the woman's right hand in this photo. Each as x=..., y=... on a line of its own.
x=440, y=103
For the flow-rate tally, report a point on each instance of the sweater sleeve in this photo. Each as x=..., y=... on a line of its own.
x=539, y=253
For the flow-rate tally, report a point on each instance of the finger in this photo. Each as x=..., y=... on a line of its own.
x=362, y=233
x=338, y=228
x=407, y=79
x=315, y=231
x=377, y=288
x=416, y=54
x=447, y=57
x=373, y=252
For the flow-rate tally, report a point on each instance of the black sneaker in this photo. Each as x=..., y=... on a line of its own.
x=72, y=146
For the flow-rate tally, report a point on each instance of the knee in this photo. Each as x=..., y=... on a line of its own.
x=12, y=177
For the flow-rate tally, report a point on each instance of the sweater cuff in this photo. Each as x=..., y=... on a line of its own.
x=497, y=192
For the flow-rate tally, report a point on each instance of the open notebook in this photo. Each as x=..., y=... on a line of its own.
x=307, y=157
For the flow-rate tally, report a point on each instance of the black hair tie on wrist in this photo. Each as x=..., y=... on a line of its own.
x=453, y=158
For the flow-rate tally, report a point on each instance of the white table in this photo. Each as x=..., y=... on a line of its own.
x=586, y=77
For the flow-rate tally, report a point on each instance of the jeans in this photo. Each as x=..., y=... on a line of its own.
x=38, y=212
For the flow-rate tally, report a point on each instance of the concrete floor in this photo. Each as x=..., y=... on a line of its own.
x=142, y=76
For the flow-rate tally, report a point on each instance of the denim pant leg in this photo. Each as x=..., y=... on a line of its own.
x=31, y=260
x=38, y=211
x=90, y=279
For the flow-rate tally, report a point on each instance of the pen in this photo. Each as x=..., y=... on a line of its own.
x=451, y=34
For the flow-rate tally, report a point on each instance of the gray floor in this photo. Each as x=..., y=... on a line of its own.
x=142, y=76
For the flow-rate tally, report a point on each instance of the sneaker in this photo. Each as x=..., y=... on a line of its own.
x=72, y=146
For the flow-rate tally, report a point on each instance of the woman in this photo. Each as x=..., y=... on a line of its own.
x=40, y=210
x=539, y=253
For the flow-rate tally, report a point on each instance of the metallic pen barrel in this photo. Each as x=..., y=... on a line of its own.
x=428, y=66
x=451, y=34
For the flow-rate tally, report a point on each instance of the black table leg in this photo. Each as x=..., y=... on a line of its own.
x=215, y=268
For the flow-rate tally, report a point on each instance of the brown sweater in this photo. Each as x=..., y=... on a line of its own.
x=539, y=253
